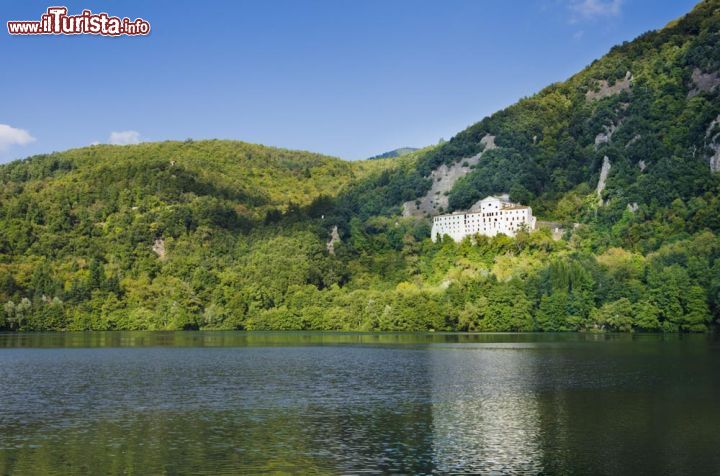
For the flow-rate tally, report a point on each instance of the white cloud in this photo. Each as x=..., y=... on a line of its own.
x=10, y=136
x=124, y=138
x=590, y=9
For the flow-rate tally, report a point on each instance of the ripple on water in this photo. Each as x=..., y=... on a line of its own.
x=425, y=406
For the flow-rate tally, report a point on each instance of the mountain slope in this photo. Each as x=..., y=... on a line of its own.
x=259, y=176
x=650, y=106
x=75, y=224
x=629, y=149
x=218, y=234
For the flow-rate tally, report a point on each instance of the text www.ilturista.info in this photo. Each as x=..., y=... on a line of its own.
x=57, y=22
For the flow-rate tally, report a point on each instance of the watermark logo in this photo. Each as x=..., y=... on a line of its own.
x=56, y=21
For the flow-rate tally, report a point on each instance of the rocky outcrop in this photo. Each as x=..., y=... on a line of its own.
x=715, y=159
x=603, y=88
x=642, y=165
x=703, y=82
x=605, y=136
x=488, y=142
x=435, y=201
x=633, y=140
x=604, y=171
x=159, y=248
x=334, y=238
x=712, y=140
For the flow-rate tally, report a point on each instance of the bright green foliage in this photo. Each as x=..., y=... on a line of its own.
x=697, y=314
x=646, y=316
x=614, y=316
x=228, y=235
x=508, y=309
x=552, y=314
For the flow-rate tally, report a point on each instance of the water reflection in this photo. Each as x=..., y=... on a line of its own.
x=485, y=415
x=283, y=339
x=229, y=403
x=215, y=410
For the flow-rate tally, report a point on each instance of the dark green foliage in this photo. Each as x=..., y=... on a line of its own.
x=218, y=234
x=501, y=170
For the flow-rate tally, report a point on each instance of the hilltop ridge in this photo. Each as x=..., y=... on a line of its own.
x=222, y=234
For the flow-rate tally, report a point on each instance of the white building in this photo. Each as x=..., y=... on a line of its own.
x=490, y=216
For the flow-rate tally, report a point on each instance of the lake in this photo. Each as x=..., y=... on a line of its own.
x=234, y=402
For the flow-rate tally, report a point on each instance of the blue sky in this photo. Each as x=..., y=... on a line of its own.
x=350, y=78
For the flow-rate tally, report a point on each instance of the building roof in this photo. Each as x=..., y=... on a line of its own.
x=504, y=198
x=475, y=209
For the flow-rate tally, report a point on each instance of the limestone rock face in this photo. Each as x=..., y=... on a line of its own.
x=605, y=136
x=712, y=140
x=159, y=248
x=604, y=171
x=334, y=238
x=633, y=140
x=715, y=159
x=703, y=82
x=443, y=179
x=604, y=89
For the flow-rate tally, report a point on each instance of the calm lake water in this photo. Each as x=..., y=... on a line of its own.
x=233, y=402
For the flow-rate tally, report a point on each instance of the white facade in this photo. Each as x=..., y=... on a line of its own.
x=490, y=216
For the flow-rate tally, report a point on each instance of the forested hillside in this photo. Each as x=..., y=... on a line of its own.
x=220, y=234
x=395, y=153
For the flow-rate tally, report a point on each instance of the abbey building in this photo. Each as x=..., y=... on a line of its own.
x=490, y=216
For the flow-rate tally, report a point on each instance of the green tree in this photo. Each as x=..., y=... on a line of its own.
x=614, y=316
x=646, y=316
x=552, y=316
x=697, y=312
x=508, y=310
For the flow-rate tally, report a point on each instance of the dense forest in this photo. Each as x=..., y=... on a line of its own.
x=228, y=235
